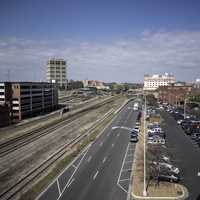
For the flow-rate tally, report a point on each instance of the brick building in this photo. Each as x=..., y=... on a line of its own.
x=173, y=94
x=27, y=99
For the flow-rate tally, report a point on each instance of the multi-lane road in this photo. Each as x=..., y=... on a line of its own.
x=103, y=170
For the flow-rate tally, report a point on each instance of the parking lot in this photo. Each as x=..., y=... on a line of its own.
x=184, y=146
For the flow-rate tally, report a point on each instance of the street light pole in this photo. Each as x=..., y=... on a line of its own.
x=144, y=130
x=185, y=108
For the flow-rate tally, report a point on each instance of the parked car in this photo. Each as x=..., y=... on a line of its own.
x=195, y=136
x=168, y=177
x=168, y=166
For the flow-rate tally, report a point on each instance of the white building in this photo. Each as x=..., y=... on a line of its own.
x=57, y=72
x=197, y=83
x=152, y=82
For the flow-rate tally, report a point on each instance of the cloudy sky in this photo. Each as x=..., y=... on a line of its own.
x=108, y=40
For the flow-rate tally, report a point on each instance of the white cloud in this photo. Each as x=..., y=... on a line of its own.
x=122, y=60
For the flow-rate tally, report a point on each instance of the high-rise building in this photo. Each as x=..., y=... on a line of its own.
x=57, y=72
x=152, y=82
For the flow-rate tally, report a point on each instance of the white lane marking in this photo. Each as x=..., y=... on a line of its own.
x=74, y=166
x=76, y=169
x=118, y=180
x=113, y=144
x=89, y=159
x=105, y=158
x=115, y=127
x=94, y=177
x=58, y=185
x=128, y=179
x=118, y=134
x=70, y=183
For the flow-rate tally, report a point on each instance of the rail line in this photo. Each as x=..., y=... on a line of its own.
x=14, y=190
x=20, y=141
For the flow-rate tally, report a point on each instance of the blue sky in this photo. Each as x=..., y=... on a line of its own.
x=109, y=40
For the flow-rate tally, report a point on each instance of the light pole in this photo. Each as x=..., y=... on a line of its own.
x=144, y=130
x=184, y=115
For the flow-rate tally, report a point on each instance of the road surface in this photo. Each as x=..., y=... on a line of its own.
x=103, y=170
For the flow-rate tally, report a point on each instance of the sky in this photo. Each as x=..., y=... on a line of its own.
x=108, y=40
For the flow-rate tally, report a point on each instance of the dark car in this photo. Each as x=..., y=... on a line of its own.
x=134, y=138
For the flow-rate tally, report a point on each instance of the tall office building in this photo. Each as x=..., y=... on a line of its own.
x=57, y=72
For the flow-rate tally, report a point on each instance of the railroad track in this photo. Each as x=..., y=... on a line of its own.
x=20, y=141
x=16, y=188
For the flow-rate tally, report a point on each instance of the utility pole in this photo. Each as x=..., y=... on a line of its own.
x=144, y=131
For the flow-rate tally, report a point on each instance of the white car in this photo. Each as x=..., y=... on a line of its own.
x=179, y=121
x=168, y=166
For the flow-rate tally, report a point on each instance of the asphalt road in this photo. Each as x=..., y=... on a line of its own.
x=103, y=170
x=186, y=154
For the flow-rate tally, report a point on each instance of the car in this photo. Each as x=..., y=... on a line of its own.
x=168, y=166
x=168, y=177
x=134, y=131
x=179, y=121
x=195, y=136
x=134, y=138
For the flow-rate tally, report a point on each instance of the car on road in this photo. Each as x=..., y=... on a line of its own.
x=134, y=138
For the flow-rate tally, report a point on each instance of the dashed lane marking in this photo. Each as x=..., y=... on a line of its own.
x=94, y=177
x=104, y=160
